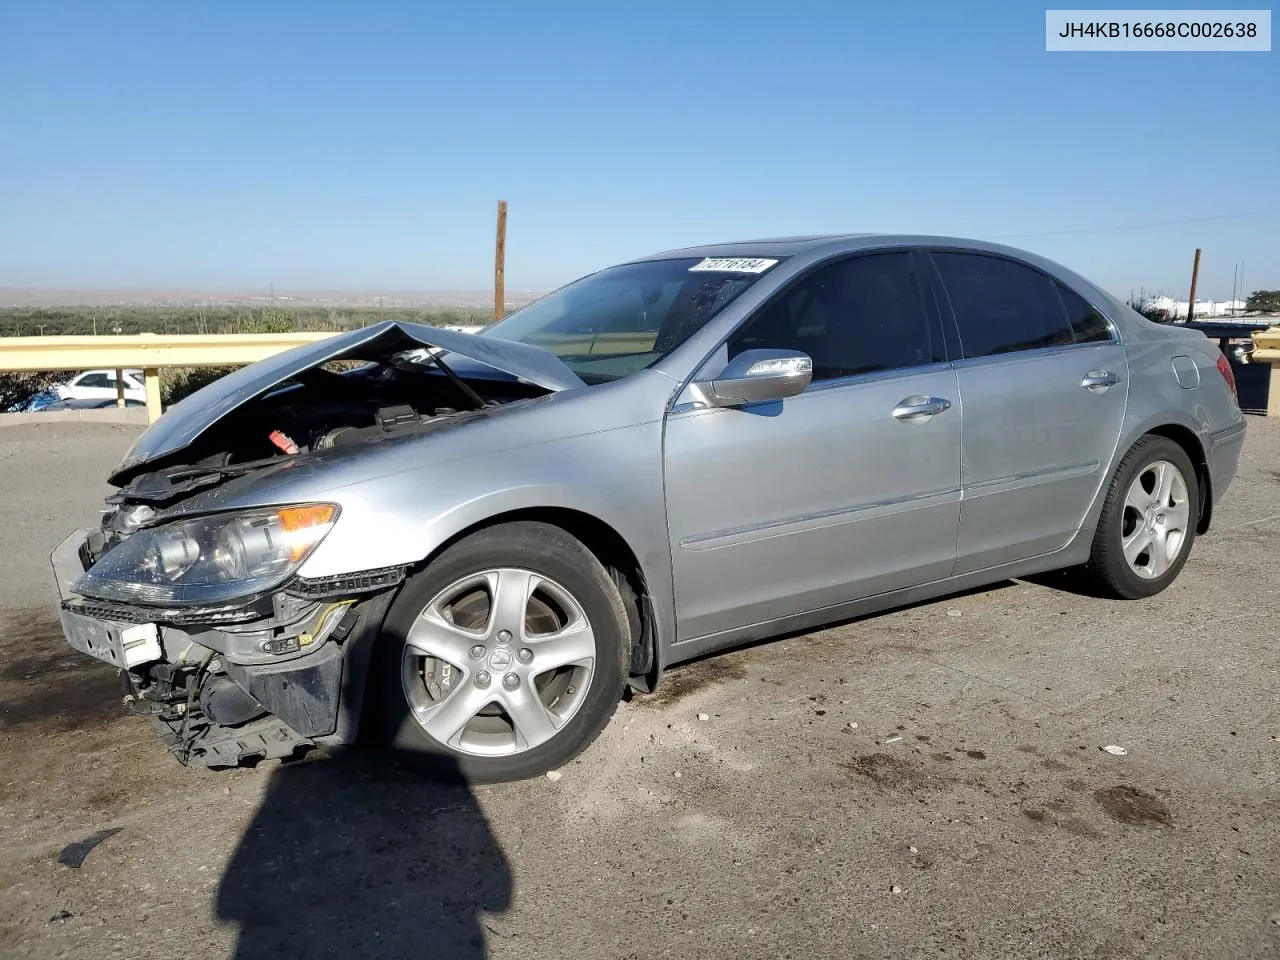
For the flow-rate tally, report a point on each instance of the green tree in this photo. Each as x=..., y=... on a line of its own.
x=1151, y=313
x=1263, y=301
x=18, y=389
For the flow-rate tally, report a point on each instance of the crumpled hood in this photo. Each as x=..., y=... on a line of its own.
x=185, y=421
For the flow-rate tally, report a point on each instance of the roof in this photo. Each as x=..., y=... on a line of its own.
x=835, y=242
x=819, y=247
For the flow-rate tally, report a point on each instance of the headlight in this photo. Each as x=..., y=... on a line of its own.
x=209, y=559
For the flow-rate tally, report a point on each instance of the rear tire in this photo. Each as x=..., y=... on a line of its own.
x=502, y=659
x=1148, y=521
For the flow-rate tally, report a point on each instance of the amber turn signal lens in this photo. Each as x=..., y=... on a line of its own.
x=297, y=520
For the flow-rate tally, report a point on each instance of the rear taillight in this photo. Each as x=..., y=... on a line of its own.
x=1224, y=368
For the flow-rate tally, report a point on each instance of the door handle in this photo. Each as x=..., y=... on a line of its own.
x=913, y=409
x=1099, y=380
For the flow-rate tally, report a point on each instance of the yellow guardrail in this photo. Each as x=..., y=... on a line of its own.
x=150, y=352
x=1266, y=349
x=146, y=351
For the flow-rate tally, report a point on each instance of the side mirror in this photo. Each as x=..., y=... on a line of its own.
x=755, y=376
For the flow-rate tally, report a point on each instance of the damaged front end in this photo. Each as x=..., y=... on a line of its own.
x=238, y=682
x=204, y=604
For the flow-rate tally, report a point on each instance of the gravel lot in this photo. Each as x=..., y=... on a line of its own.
x=923, y=783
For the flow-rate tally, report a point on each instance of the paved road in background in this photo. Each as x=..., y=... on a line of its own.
x=924, y=783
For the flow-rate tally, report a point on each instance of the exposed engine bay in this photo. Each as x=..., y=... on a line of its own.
x=317, y=410
x=230, y=680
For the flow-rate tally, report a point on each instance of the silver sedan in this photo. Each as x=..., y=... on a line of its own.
x=465, y=547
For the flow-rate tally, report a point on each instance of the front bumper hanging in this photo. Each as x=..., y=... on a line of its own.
x=231, y=686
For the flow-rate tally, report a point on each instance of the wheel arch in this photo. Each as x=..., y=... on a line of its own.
x=1181, y=433
x=616, y=554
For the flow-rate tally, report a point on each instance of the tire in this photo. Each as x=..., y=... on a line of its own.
x=1133, y=514
x=568, y=591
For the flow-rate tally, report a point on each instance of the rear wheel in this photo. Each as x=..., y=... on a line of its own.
x=1148, y=522
x=505, y=657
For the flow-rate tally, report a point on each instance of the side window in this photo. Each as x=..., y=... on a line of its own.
x=95, y=380
x=1002, y=306
x=860, y=315
x=1088, y=325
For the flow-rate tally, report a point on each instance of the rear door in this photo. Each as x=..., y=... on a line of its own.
x=851, y=488
x=1043, y=383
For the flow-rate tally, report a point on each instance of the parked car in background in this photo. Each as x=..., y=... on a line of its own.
x=1235, y=340
x=469, y=554
x=88, y=404
x=36, y=402
x=101, y=385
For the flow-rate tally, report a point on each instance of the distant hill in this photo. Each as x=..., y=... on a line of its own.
x=350, y=299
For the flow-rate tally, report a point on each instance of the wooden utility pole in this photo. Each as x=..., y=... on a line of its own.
x=1195, y=275
x=499, y=264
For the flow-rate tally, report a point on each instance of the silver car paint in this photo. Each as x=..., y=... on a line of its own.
x=788, y=525
x=1036, y=447
x=596, y=451
x=763, y=535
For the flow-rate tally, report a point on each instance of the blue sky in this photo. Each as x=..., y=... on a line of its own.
x=363, y=146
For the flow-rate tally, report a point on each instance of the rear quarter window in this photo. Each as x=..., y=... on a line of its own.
x=1002, y=306
x=1087, y=324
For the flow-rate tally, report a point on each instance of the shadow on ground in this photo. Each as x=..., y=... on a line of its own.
x=354, y=858
x=1074, y=580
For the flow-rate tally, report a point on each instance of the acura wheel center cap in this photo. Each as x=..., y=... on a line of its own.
x=500, y=659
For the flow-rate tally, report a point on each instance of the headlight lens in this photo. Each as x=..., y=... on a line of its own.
x=210, y=559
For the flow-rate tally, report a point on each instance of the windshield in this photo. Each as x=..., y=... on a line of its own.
x=626, y=318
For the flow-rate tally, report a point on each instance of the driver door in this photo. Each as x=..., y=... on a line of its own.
x=845, y=491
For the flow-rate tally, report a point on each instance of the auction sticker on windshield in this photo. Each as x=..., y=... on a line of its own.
x=734, y=264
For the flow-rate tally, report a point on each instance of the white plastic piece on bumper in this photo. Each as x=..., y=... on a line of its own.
x=140, y=643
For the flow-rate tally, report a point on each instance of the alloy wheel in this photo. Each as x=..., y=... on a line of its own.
x=1156, y=514
x=498, y=662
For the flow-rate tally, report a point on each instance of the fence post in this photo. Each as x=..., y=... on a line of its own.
x=500, y=265
x=152, y=377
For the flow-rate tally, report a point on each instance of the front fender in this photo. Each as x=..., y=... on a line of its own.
x=614, y=476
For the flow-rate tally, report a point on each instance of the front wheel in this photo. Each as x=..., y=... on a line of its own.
x=1148, y=522
x=505, y=657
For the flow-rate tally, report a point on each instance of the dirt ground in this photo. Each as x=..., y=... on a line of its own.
x=924, y=783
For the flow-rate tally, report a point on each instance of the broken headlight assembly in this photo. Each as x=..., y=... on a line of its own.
x=209, y=559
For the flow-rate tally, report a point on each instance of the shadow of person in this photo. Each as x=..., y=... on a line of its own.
x=352, y=857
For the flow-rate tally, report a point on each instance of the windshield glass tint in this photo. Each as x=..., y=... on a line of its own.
x=625, y=318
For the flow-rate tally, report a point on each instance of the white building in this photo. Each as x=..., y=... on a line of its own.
x=1204, y=308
